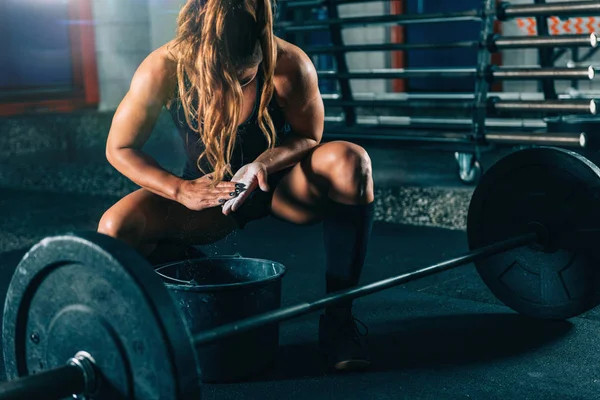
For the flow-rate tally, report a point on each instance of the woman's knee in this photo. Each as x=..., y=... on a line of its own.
x=348, y=169
x=125, y=226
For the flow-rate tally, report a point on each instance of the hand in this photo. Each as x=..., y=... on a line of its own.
x=198, y=194
x=252, y=176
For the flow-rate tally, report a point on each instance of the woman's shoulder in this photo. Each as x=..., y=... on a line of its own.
x=294, y=70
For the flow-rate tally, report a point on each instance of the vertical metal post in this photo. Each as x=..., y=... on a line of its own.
x=342, y=66
x=484, y=61
x=468, y=163
x=546, y=56
x=575, y=58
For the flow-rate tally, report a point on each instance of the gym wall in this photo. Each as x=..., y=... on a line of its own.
x=127, y=30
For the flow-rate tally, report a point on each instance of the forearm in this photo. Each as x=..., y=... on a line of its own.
x=145, y=172
x=288, y=153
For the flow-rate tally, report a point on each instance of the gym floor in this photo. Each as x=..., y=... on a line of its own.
x=443, y=337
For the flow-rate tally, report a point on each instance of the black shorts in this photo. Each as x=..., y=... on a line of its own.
x=257, y=205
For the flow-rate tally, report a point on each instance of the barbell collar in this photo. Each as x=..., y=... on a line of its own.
x=287, y=313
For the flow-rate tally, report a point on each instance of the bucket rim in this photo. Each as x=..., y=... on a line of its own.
x=176, y=284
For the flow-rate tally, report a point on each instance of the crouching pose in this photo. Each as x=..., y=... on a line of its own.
x=248, y=107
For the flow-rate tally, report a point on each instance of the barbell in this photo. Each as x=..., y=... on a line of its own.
x=86, y=315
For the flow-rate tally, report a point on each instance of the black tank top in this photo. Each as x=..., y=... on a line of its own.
x=250, y=140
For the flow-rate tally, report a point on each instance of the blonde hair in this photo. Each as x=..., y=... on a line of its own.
x=216, y=40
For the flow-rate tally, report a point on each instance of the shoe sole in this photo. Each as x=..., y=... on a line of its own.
x=352, y=365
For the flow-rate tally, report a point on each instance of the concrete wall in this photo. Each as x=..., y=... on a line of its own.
x=128, y=30
x=163, y=18
x=122, y=42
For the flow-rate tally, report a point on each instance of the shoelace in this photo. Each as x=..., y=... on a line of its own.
x=354, y=334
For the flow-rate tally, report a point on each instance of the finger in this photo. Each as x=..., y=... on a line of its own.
x=226, y=194
x=237, y=202
x=227, y=207
x=262, y=181
x=230, y=186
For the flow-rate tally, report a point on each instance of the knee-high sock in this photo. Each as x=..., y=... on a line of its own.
x=346, y=232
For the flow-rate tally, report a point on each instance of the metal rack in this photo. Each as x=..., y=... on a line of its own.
x=480, y=122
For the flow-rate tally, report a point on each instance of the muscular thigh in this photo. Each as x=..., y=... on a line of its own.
x=298, y=198
x=154, y=218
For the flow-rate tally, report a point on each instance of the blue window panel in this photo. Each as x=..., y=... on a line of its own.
x=34, y=42
x=442, y=33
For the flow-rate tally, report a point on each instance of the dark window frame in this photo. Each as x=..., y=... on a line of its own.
x=85, y=93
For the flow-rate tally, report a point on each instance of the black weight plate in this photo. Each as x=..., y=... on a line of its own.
x=88, y=292
x=559, y=190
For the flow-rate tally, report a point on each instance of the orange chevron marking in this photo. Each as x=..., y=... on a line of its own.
x=532, y=28
x=567, y=26
x=554, y=25
x=590, y=25
x=578, y=25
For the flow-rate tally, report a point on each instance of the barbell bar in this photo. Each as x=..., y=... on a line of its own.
x=370, y=121
x=494, y=43
x=71, y=379
x=504, y=11
x=298, y=310
x=558, y=9
x=464, y=139
x=493, y=73
x=403, y=19
x=94, y=304
x=494, y=104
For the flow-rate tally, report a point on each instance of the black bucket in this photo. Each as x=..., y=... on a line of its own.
x=213, y=291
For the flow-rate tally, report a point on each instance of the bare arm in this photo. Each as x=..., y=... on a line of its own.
x=304, y=111
x=133, y=123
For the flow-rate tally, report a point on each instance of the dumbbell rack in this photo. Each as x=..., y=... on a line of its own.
x=485, y=123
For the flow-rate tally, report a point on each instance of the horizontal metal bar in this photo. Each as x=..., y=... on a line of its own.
x=525, y=96
x=56, y=383
x=408, y=104
x=523, y=42
x=501, y=73
x=561, y=106
x=566, y=106
x=494, y=44
x=400, y=123
x=401, y=19
x=548, y=139
x=399, y=73
x=287, y=313
x=317, y=3
x=405, y=137
x=388, y=47
x=562, y=9
x=506, y=73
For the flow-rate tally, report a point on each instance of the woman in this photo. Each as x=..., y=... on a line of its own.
x=248, y=107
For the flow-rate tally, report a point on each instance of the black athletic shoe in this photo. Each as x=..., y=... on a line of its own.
x=342, y=343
